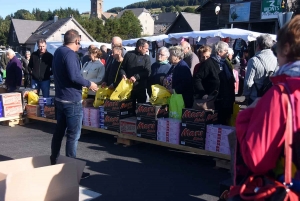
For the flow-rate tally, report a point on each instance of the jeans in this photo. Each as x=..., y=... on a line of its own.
x=69, y=121
x=43, y=85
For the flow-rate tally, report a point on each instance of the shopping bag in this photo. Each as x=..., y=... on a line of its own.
x=33, y=98
x=236, y=109
x=85, y=92
x=176, y=104
x=123, y=90
x=101, y=95
x=160, y=95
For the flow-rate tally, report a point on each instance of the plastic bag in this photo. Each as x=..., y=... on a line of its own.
x=85, y=92
x=101, y=95
x=236, y=109
x=123, y=90
x=33, y=98
x=176, y=104
x=160, y=95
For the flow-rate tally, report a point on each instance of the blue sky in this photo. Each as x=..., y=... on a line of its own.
x=10, y=6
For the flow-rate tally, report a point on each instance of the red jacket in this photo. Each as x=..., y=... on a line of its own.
x=260, y=130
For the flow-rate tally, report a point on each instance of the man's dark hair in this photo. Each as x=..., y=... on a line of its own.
x=140, y=43
x=41, y=40
x=70, y=36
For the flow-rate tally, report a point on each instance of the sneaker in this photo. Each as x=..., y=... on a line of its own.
x=85, y=175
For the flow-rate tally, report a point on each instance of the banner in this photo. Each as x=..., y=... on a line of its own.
x=270, y=9
x=239, y=12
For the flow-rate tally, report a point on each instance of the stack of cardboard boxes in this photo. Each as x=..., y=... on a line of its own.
x=168, y=130
x=217, y=138
x=91, y=117
x=193, y=126
x=47, y=108
x=114, y=111
x=11, y=105
x=147, y=115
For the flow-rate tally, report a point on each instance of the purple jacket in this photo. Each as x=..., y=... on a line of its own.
x=14, y=72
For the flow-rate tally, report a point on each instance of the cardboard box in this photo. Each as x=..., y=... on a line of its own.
x=192, y=136
x=48, y=112
x=1, y=111
x=151, y=112
x=12, y=110
x=168, y=130
x=33, y=110
x=90, y=124
x=128, y=126
x=35, y=179
x=146, y=129
x=88, y=102
x=111, y=122
x=46, y=101
x=91, y=112
x=11, y=99
x=121, y=108
x=197, y=117
x=219, y=149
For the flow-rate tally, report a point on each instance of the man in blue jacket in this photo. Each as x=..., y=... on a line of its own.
x=68, y=96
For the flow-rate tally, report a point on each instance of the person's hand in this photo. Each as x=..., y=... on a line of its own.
x=253, y=105
x=103, y=85
x=124, y=77
x=111, y=87
x=171, y=91
x=205, y=96
x=93, y=87
x=132, y=79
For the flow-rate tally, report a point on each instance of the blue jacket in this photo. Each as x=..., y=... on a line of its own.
x=182, y=82
x=14, y=72
x=67, y=77
x=158, y=72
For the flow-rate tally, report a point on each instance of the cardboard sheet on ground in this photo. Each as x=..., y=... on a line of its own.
x=33, y=178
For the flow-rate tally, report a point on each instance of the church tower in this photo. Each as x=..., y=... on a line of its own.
x=96, y=8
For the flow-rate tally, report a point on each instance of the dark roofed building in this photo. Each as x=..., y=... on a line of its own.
x=165, y=18
x=23, y=34
x=185, y=22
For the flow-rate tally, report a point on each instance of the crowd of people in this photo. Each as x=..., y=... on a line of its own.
x=180, y=71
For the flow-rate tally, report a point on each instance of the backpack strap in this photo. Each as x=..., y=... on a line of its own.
x=286, y=97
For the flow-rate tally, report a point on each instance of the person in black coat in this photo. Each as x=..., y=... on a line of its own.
x=206, y=79
x=179, y=78
x=159, y=69
x=226, y=96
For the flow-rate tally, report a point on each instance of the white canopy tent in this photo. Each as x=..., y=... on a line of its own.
x=195, y=36
x=52, y=46
x=234, y=33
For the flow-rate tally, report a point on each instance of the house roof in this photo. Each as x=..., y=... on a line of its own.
x=107, y=15
x=48, y=28
x=160, y=29
x=165, y=18
x=193, y=20
x=24, y=28
x=136, y=11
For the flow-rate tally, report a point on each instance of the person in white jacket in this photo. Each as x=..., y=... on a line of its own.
x=94, y=70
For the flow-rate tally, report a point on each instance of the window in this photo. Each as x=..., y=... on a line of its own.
x=62, y=37
x=146, y=21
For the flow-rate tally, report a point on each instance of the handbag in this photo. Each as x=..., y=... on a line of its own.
x=205, y=104
x=262, y=187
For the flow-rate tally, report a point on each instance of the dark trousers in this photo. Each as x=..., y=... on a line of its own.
x=69, y=122
x=138, y=96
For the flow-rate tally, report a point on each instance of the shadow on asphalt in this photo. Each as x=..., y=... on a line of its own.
x=167, y=174
x=5, y=158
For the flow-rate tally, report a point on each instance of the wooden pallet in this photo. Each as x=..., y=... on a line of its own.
x=12, y=121
x=128, y=140
x=220, y=163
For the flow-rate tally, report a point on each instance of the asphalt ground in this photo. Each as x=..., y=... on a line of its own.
x=141, y=172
